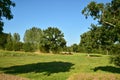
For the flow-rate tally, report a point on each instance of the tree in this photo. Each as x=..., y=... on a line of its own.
x=33, y=36
x=86, y=42
x=16, y=37
x=5, y=11
x=53, y=40
x=75, y=48
x=28, y=47
x=16, y=42
x=108, y=18
x=9, y=45
x=3, y=40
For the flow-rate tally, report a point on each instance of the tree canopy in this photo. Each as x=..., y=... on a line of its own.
x=5, y=11
x=106, y=32
x=33, y=36
x=53, y=40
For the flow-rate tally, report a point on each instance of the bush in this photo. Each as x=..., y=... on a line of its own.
x=9, y=46
x=115, y=60
x=28, y=47
x=17, y=46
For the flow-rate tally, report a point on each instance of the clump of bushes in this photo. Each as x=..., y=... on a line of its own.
x=115, y=60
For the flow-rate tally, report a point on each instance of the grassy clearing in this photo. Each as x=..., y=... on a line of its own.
x=54, y=67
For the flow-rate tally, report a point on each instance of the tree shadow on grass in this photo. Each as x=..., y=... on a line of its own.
x=108, y=69
x=47, y=67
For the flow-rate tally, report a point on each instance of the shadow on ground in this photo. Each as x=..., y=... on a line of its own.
x=108, y=69
x=95, y=55
x=47, y=67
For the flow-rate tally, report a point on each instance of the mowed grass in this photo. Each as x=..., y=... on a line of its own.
x=57, y=67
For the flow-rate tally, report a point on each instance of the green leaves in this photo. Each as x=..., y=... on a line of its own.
x=107, y=32
x=49, y=40
x=33, y=36
x=5, y=11
x=93, y=9
x=53, y=39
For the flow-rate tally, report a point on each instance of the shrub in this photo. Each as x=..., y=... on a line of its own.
x=115, y=60
x=28, y=47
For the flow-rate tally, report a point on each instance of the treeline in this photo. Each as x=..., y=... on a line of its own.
x=48, y=40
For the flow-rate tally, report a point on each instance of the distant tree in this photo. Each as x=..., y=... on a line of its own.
x=16, y=37
x=5, y=11
x=53, y=40
x=9, y=45
x=16, y=42
x=27, y=47
x=33, y=36
x=3, y=40
x=75, y=48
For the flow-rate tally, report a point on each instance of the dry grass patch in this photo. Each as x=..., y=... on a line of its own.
x=95, y=76
x=11, y=77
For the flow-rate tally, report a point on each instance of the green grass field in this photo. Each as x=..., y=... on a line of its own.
x=54, y=66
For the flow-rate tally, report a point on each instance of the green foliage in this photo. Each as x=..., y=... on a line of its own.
x=116, y=57
x=18, y=46
x=33, y=36
x=53, y=40
x=5, y=11
x=74, y=48
x=16, y=42
x=86, y=41
x=28, y=47
x=16, y=37
x=115, y=60
x=107, y=33
x=3, y=40
x=13, y=42
x=9, y=45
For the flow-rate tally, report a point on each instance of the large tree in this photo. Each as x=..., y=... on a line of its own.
x=5, y=11
x=33, y=36
x=108, y=19
x=53, y=40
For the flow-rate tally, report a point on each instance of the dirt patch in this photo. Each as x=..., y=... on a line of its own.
x=11, y=77
x=97, y=76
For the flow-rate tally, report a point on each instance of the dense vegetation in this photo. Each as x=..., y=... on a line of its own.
x=105, y=35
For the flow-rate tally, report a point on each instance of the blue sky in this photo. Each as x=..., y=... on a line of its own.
x=63, y=14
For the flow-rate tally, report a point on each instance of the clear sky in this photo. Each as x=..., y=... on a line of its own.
x=63, y=14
